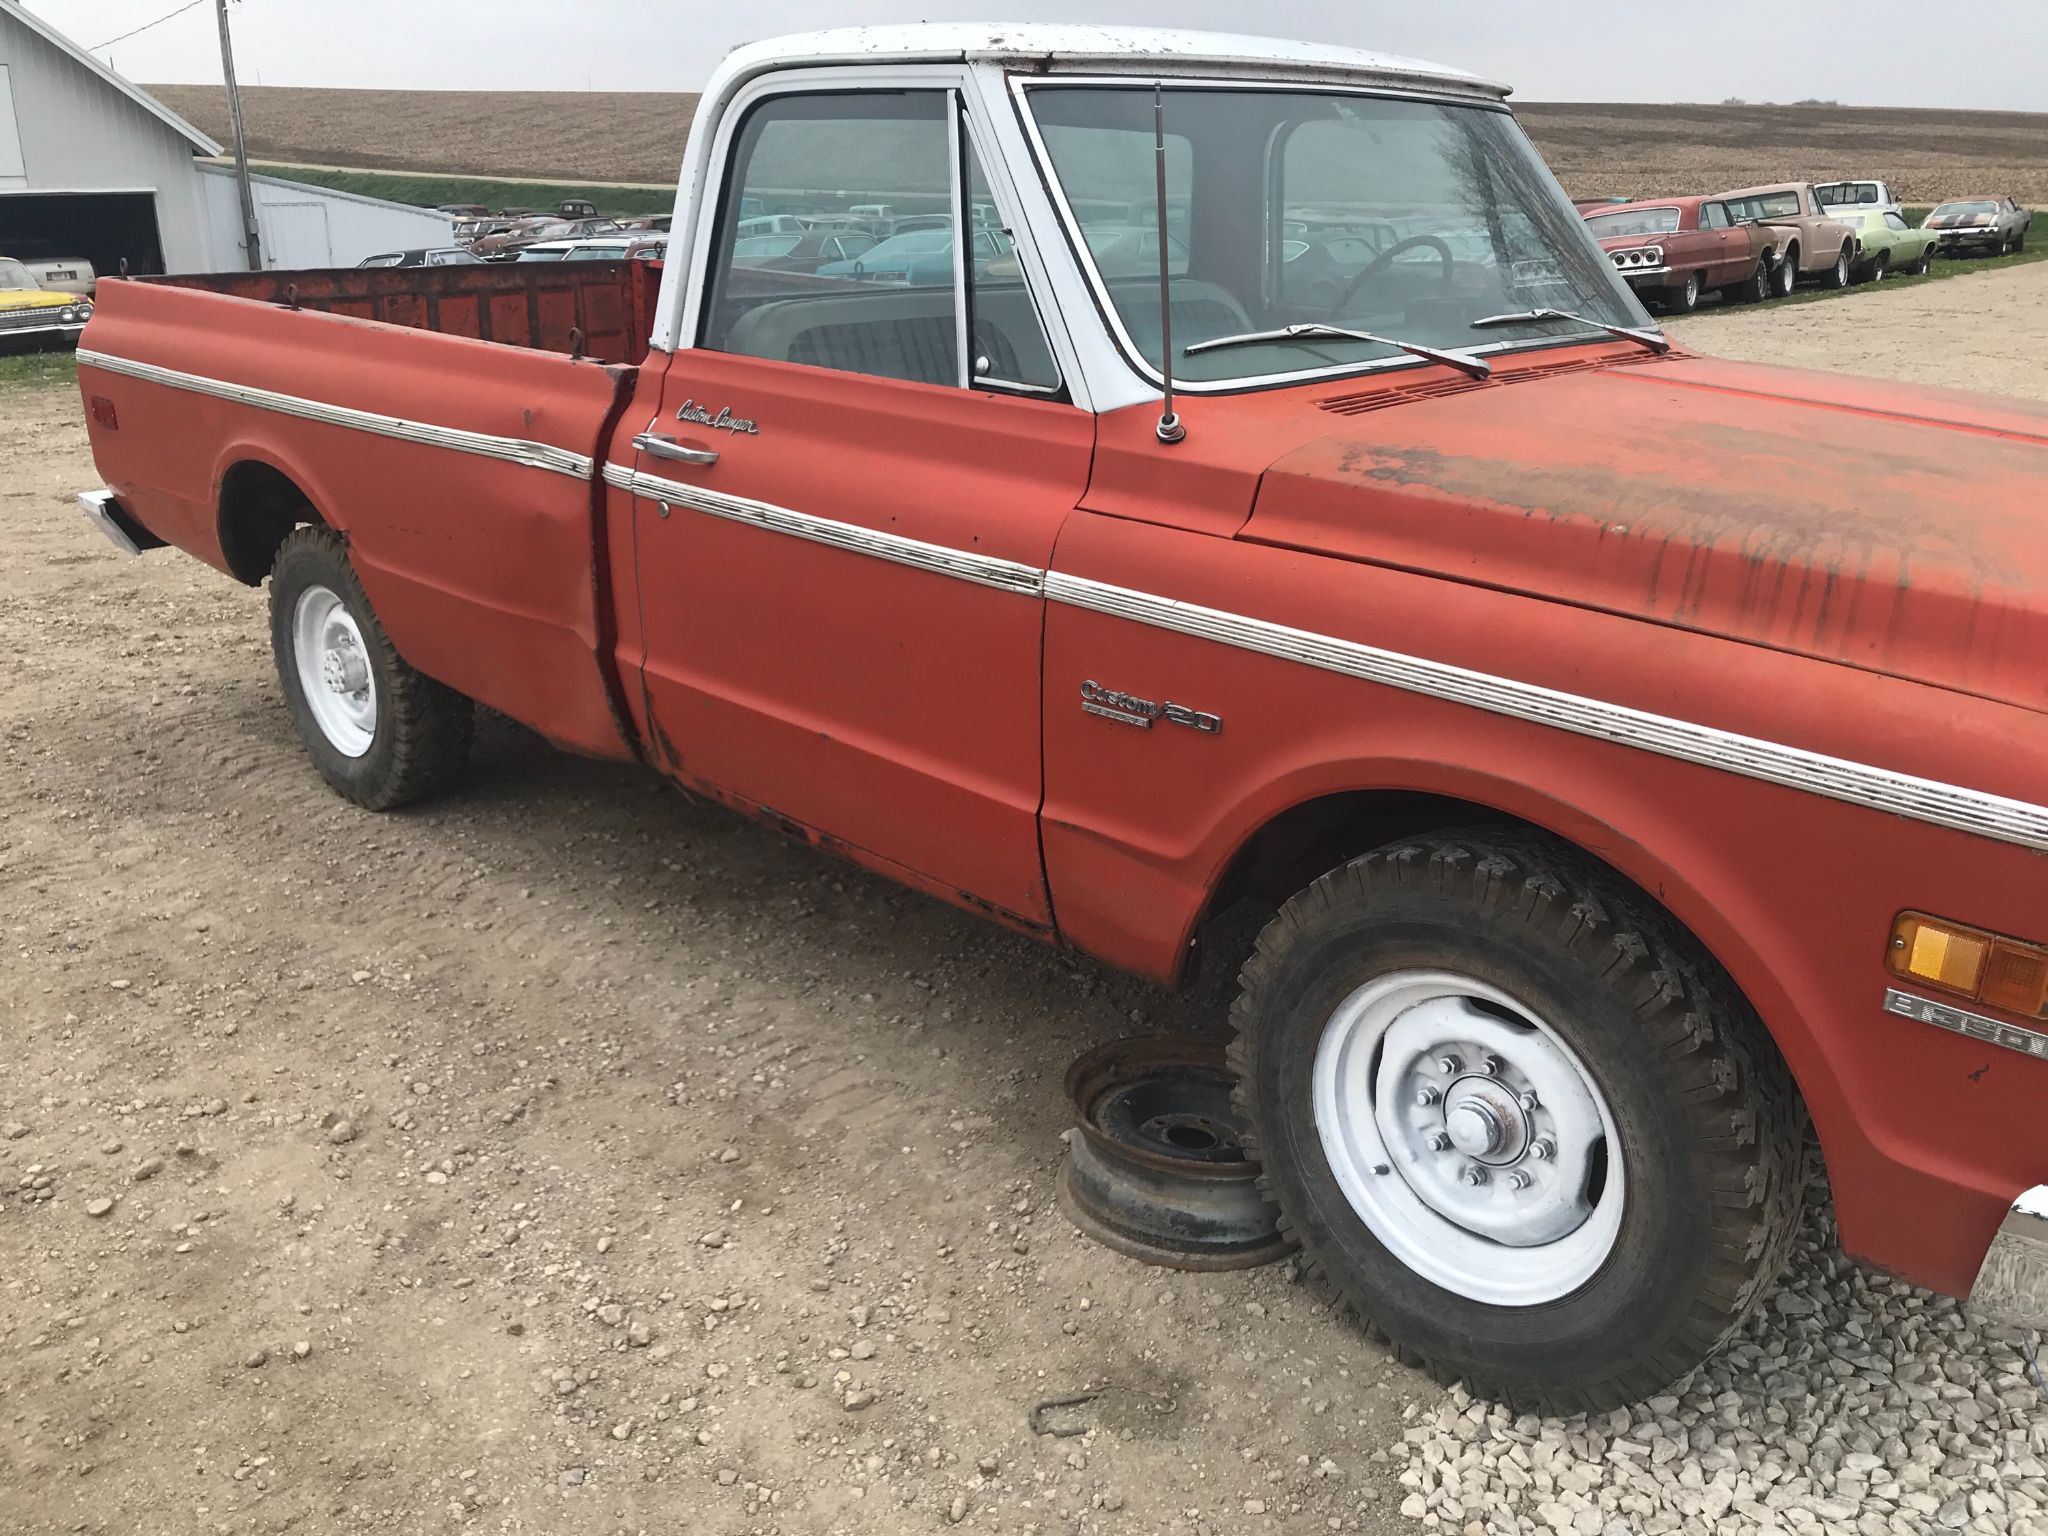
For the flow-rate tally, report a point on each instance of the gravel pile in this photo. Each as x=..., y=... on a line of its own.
x=1854, y=1406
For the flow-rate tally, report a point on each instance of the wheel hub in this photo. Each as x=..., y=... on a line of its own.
x=343, y=668
x=332, y=667
x=1468, y=1136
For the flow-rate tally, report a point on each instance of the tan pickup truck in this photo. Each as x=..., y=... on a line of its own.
x=1815, y=245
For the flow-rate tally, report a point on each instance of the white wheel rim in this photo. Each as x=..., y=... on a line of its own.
x=335, y=676
x=1406, y=1109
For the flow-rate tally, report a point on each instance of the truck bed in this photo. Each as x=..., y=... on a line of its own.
x=456, y=445
x=602, y=310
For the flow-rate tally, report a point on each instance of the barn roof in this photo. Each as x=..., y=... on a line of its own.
x=133, y=92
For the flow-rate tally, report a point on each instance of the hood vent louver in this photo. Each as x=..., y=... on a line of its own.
x=1383, y=398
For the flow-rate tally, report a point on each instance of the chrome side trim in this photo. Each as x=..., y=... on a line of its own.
x=1961, y=1021
x=511, y=450
x=1899, y=794
x=982, y=570
x=2012, y=1283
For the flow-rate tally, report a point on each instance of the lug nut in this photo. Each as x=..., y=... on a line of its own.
x=1493, y=1066
x=1473, y=1174
x=1520, y=1179
x=1427, y=1097
x=1450, y=1065
x=1528, y=1102
x=1439, y=1142
x=1543, y=1149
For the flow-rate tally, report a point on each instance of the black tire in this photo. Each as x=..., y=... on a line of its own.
x=1685, y=298
x=1754, y=289
x=1926, y=264
x=1785, y=274
x=423, y=729
x=1838, y=275
x=1880, y=267
x=1708, y=1121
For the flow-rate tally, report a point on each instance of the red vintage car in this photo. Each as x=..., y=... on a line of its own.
x=1675, y=250
x=1635, y=758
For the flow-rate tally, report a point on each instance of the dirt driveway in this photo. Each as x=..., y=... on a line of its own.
x=569, y=1157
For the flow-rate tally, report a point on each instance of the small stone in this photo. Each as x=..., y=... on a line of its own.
x=120, y=983
x=13, y=1130
x=713, y=1239
x=302, y=1349
x=863, y=1349
x=727, y=1477
x=859, y=1398
x=987, y=1466
x=111, y=1147
x=255, y=1358
x=436, y=1176
x=342, y=1132
x=572, y=1477
x=1255, y=1506
x=729, y=1155
x=623, y=1431
x=611, y=1314
x=957, y=1510
x=99, y=1206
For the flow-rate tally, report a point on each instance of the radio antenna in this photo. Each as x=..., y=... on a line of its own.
x=1170, y=428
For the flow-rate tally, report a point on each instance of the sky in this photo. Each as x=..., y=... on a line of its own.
x=1983, y=54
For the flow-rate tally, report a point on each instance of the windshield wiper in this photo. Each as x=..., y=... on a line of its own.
x=1654, y=340
x=1465, y=362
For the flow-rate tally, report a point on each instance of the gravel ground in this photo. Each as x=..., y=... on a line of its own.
x=1982, y=330
x=571, y=1157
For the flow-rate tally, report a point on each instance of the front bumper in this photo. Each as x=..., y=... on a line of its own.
x=117, y=523
x=2012, y=1282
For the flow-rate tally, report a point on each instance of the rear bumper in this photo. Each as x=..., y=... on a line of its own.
x=2012, y=1283
x=117, y=523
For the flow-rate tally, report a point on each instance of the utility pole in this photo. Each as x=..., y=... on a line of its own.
x=252, y=236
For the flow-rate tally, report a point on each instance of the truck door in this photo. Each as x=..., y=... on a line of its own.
x=849, y=493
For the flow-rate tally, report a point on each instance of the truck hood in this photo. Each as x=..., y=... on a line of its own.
x=12, y=299
x=1899, y=530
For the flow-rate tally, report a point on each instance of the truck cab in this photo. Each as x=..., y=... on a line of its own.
x=1623, y=782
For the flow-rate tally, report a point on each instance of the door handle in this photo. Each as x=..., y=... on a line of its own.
x=669, y=448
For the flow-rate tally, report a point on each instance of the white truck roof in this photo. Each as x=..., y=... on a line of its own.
x=1168, y=50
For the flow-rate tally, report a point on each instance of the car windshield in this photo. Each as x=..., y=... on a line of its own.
x=1466, y=220
x=544, y=253
x=1637, y=221
x=1839, y=193
x=917, y=242
x=14, y=275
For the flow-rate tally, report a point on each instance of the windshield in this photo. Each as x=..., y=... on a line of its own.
x=14, y=275
x=1952, y=210
x=1637, y=221
x=1425, y=217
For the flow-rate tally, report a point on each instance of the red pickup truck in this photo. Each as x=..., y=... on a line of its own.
x=1641, y=757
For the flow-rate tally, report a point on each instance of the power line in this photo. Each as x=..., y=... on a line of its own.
x=191, y=5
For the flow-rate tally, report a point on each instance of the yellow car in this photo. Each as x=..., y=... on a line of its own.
x=36, y=314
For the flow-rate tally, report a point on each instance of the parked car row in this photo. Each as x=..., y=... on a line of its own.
x=574, y=230
x=32, y=312
x=1756, y=243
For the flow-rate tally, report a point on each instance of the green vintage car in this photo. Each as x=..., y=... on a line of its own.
x=1887, y=243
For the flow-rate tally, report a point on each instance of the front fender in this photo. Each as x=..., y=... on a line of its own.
x=1793, y=892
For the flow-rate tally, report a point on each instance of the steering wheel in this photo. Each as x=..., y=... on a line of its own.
x=1379, y=264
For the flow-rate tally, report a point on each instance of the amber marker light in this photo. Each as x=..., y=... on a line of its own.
x=1970, y=963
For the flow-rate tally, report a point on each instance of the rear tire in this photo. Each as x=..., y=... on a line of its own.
x=1552, y=984
x=1685, y=298
x=382, y=734
x=1754, y=289
x=1926, y=263
x=1838, y=275
x=1880, y=267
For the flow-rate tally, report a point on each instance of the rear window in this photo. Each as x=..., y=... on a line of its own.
x=1768, y=205
x=1636, y=221
x=1842, y=193
x=1955, y=208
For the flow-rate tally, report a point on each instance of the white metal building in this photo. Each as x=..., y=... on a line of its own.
x=95, y=167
